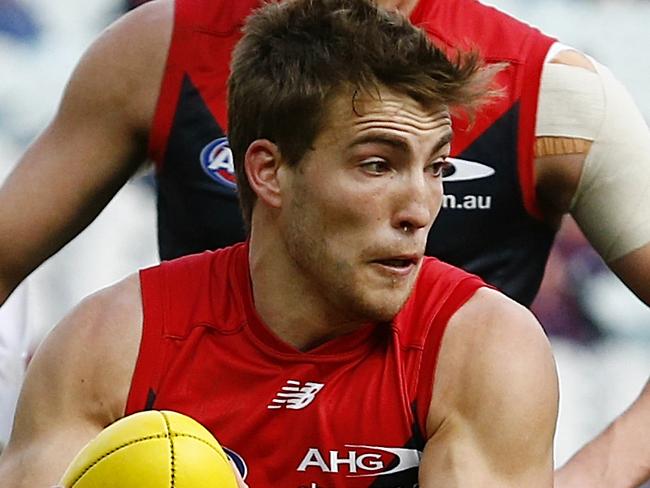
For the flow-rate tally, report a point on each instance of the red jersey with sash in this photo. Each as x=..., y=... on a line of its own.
x=488, y=224
x=349, y=413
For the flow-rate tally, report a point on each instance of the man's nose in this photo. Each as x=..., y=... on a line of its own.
x=417, y=202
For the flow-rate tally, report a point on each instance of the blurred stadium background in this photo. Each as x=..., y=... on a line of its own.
x=600, y=331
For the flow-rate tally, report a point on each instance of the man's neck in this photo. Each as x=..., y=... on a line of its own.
x=288, y=302
x=406, y=7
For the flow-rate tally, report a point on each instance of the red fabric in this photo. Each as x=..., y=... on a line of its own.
x=204, y=35
x=207, y=354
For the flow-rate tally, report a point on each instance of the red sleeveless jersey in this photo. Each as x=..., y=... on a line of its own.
x=488, y=224
x=349, y=413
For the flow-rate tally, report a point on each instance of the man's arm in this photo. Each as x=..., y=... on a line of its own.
x=618, y=457
x=593, y=161
x=96, y=141
x=634, y=270
x=609, y=200
x=495, y=398
x=76, y=385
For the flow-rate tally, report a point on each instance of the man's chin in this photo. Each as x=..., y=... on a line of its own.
x=384, y=309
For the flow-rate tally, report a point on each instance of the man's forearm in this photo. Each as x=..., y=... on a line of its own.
x=619, y=457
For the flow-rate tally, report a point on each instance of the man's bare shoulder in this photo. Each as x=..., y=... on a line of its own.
x=96, y=346
x=149, y=24
x=113, y=314
x=494, y=405
x=499, y=321
x=125, y=64
x=106, y=306
x=494, y=337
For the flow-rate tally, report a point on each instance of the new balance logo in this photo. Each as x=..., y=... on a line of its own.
x=294, y=396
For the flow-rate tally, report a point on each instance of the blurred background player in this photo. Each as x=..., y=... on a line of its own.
x=41, y=42
x=526, y=229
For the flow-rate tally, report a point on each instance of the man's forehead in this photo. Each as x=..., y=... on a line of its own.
x=355, y=111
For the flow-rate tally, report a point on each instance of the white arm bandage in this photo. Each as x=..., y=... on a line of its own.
x=612, y=200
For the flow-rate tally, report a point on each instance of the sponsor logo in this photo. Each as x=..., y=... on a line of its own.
x=295, y=396
x=464, y=170
x=315, y=485
x=358, y=461
x=467, y=202
x=217, y=162
x=238, y=461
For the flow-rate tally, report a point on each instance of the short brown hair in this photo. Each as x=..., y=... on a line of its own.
x=296, y=54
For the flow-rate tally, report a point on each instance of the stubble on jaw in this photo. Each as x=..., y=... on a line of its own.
x=336, y=280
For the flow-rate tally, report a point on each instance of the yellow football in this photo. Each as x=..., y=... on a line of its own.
x=152, y=449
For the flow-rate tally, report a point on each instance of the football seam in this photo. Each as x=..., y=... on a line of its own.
x=172, y=454
x=140, y=439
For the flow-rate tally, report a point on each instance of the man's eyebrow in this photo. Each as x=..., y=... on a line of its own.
x=444, y=140
x=395, y=142
x=399, y=143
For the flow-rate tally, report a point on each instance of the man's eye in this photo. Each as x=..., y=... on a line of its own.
x=437, y=168
x=376, y=167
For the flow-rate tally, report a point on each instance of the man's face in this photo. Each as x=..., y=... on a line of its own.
x=362, y=200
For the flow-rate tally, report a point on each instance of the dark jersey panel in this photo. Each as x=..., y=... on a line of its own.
x=407, y=478
x=197, y=203
x=483, y=226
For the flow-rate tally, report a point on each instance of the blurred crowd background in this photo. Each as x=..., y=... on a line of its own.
x=600, y=331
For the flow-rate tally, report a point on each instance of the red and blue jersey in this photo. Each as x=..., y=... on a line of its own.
x=489, y=224
x=349, y=413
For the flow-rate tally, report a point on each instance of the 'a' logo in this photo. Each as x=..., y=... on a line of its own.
x=217, y=162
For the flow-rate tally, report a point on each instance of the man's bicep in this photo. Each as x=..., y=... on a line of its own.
x=586, y=123
x=494, y=406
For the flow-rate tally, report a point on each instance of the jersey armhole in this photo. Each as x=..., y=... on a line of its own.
x=145, y=379
x=170, y=86
x=531, y=81
x=429, y=361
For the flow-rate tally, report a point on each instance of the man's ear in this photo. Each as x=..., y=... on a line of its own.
x=262, y=162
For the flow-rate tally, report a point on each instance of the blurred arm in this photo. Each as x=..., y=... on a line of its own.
x=494, y=407
x=76, y=385
x=619, y=457
x=634, y=270
x=96, y=141
x=602, y=177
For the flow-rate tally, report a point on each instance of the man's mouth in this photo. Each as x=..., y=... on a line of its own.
x=397, y=262
x=401, y=264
